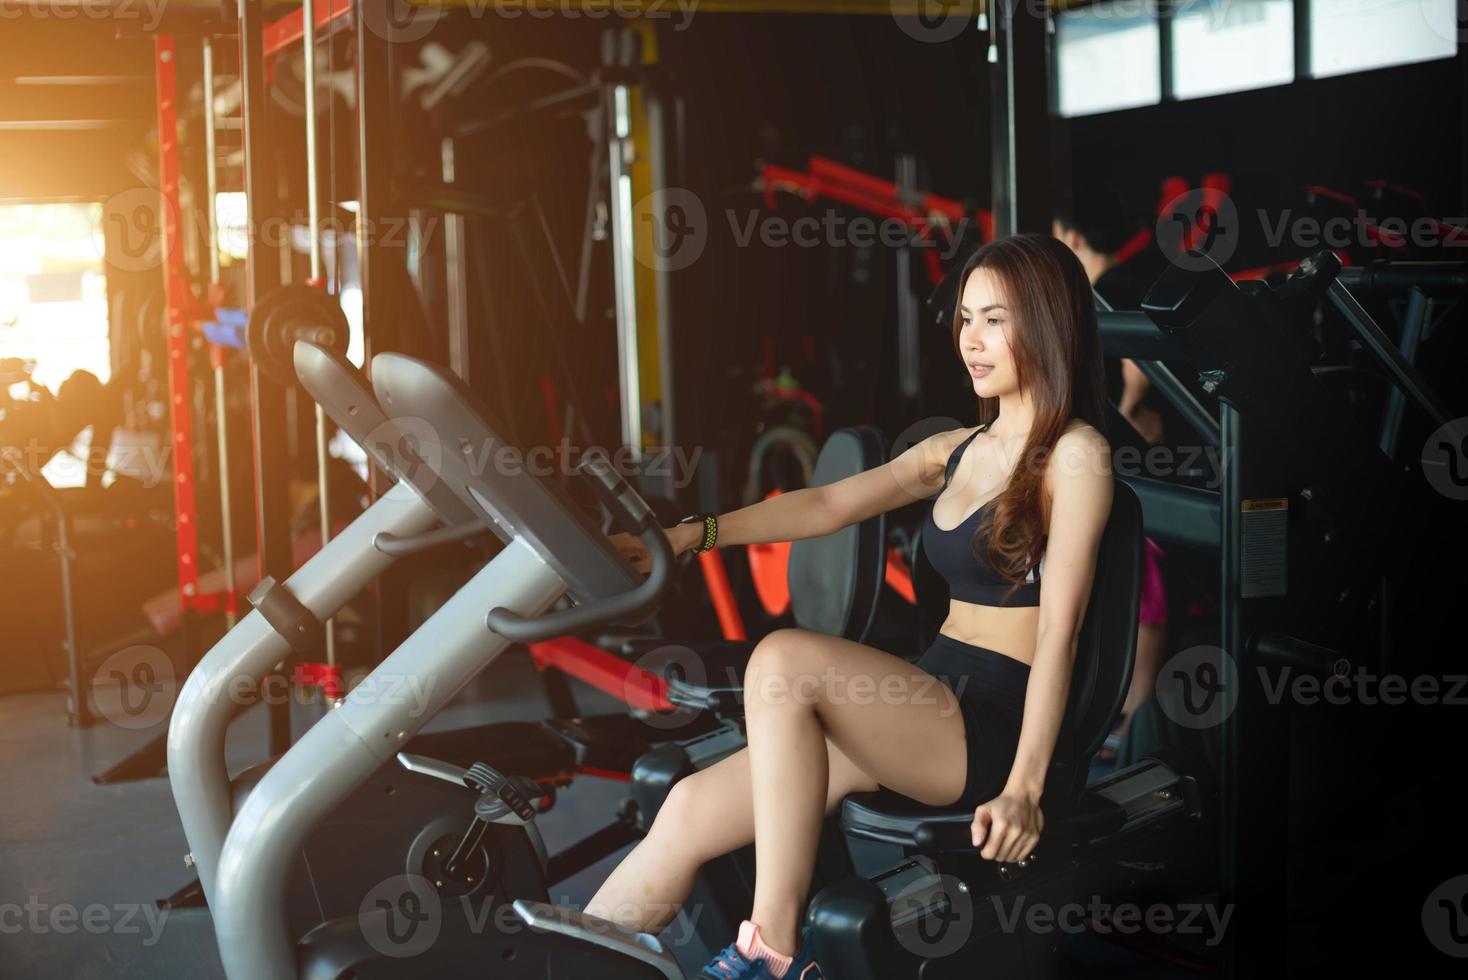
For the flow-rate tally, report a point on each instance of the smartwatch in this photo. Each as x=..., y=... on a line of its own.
x=710, y=530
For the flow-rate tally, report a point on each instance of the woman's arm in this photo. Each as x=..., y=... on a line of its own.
x=815, y=511
x=1080, y=501
x=1134, y=389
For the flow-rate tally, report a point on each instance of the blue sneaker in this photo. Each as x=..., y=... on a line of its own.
x=731, y=964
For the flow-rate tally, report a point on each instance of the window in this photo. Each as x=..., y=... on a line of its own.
x=1231, y=45
x=231, y=215
x=1357, y=35
x=1107, y=57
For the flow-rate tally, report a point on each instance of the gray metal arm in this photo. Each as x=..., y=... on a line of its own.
x=600, y=932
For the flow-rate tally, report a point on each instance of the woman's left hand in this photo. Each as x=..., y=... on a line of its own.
x=1007, y=828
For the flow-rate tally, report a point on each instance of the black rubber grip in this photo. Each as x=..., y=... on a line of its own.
x=287, y=616
x=631, y=606
x=944, y=835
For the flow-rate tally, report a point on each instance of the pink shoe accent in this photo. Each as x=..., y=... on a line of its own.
x=753, y=947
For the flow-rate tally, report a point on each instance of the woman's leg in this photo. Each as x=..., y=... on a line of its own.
x=1151, y=648
x=1151, y=635
x=707, y=814
x=897, y=723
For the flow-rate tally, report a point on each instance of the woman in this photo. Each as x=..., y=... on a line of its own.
x=1021, y=502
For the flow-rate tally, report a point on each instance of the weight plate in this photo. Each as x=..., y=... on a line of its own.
x=288, y=314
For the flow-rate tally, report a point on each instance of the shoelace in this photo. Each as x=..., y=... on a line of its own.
x=731, y=964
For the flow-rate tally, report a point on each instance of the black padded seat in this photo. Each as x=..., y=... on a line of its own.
x=892, y=818
x=1102, y=674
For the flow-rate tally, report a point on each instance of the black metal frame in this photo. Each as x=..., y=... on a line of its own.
x=375, y=107
x=1253, y=777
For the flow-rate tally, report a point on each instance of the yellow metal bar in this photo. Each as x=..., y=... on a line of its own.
x=676, y=8
x=885, y=8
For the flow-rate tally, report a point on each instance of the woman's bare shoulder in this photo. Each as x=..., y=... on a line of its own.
x=1081, y=451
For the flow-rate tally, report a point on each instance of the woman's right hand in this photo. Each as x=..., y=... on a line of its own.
x=635, y=551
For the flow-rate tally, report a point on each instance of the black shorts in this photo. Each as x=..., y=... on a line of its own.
x=990, y=688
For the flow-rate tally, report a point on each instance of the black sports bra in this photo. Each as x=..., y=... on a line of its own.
x=971, y=578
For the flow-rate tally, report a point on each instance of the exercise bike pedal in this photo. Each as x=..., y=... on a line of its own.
x=503, y=799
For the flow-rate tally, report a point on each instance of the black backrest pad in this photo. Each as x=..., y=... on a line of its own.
x=1108, y=641
x=835, y=580
x=931, y=590
x=499, y=482
x=341, y=391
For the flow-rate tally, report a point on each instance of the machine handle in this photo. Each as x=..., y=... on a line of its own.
x=633, y=605
x=615, y=493
x=944, y=835
x=948, y=835
x=397, y=544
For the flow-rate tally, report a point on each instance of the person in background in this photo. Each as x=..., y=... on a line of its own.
x=1096, y=227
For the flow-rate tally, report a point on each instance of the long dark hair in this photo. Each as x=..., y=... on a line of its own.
x=1057, y=356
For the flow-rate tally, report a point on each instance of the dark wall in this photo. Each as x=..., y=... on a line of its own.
x=780, y=90
x=754, y=89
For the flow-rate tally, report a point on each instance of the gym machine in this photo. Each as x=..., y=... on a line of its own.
x=412, y=832
x=245, y=858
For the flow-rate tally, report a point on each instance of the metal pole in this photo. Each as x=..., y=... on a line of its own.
x=456, y=282
x=313, y=199
x=624, y=272
x=270, y=434
x=1414, y=322
x=80, y=713
x=1181, y=398
x=211, y=179
x=378, y=265
x=1414, y=325
x=1380, y=345
x=221, y=425
x=1019, y=118
x=1231, y=495
x=313, y=223
x=1003, y=189
x=909, y=380
x=661, y=136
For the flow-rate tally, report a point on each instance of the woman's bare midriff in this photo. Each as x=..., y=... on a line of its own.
x=1007, y=630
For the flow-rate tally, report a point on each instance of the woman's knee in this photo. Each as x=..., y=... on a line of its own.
x=783, y=668
x=683, y=819
x=679, y=807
